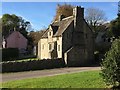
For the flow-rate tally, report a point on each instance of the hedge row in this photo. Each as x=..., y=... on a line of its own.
x=32, y=65
x=9, y=54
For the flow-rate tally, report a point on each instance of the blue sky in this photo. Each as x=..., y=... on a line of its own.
x=40, y=14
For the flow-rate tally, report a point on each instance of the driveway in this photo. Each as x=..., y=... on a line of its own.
x=43, y=73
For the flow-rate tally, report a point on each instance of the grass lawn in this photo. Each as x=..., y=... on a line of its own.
x=87, y=79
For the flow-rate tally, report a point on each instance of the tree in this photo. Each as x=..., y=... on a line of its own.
x=36, y=36
x=119, y=8
x=65, y=9
x=24, y=26
x=95, y=17
x=111, y=65
x=9, y=22
x=0, y=25
x=115, y=27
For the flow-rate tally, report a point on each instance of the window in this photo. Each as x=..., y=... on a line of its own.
x=50, y=46
x=58, y=47
x=57, y=38
x=43, y=46
x=49, y=33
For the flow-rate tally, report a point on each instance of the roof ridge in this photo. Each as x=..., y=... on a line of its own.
x=64, y=18
x=67, y=17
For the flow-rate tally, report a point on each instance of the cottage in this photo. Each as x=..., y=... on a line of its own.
x=69, y=38
x=15, y=40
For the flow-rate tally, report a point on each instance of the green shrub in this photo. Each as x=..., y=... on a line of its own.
x=9, y=54
x=111, y=65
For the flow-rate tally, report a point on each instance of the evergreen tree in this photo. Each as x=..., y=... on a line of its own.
x=111, y=65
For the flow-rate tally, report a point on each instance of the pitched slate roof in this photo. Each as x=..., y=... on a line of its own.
x=59, y=27
x=45, y=35
x=36, y=36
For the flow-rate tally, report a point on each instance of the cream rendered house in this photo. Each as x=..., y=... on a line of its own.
x=68, y=38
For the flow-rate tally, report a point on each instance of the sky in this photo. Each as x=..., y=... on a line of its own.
x=40, y=14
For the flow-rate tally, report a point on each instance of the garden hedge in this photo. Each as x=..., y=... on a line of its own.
x=9, y=54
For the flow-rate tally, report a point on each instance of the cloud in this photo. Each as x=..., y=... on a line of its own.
x=106, y=22
x=114, y=4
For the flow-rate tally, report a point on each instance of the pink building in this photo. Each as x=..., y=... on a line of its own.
x=15, y=40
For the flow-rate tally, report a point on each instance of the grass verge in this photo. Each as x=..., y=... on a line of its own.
x=87, y=79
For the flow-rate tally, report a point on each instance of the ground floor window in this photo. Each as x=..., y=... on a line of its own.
x=58, y=47
x=43, y=46
x=50, y=46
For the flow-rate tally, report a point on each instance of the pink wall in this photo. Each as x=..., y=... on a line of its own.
x=16, y=40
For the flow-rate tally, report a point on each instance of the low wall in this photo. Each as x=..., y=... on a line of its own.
x=32, y=65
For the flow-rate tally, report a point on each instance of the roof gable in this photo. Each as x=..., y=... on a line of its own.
x=16, y=34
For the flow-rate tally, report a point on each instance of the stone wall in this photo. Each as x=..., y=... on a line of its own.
x=32, y=65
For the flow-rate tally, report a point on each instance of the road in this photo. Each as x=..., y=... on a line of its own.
x=43, y=73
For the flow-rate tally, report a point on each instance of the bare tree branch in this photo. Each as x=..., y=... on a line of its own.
x=95, y=17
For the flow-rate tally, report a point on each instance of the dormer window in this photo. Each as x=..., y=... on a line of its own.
x=49, y=33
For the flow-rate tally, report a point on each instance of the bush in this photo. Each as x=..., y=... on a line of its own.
x=111, y=65
x=9, y=54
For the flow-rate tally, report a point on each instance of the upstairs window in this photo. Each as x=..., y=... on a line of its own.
x=49, y=33
x=50, y=46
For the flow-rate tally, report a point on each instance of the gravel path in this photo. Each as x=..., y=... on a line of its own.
x=42, y=73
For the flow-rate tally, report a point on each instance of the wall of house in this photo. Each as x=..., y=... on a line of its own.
x=82, y=51
x=75, y=57
x=59, y=46
x=89, y=41
x=43, y=48
x=39, y=49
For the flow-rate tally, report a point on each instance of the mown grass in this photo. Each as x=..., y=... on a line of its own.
x=87, y=79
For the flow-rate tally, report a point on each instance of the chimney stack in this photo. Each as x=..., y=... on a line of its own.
x=61, y=17
x=78, y=12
